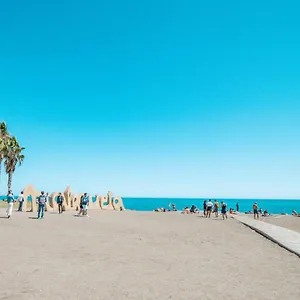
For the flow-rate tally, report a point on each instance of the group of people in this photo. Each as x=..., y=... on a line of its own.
x=10, y=199
x=192, y=210
x=172, y=207
x=210, y=207
x=42, y=201
x=213, y=207
x=257, y=212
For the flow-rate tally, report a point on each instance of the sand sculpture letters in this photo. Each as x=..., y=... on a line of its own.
x=71, y=201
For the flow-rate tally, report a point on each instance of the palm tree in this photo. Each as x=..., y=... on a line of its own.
x=4, y=136
x=13, y=156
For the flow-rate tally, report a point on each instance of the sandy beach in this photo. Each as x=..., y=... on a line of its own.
x=134, y=255
x=289, y=222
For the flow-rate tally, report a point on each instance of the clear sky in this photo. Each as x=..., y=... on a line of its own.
x=154, y=98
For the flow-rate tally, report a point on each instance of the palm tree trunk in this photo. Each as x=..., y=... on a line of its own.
x=9, y=181
x=1, y=160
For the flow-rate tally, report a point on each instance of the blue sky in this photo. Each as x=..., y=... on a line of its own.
x=154, y=98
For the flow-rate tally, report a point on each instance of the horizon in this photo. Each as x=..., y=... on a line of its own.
x=191, y=198
x=157, y=99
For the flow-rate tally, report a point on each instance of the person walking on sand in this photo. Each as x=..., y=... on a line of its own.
x=85, y=203
x=209, y=207
x=80, y=206
x=216, y=208
x=60, y=202
x=204, y=207
x=224, y=210
x=21, y=201
x=84, y=200
x=10, y=203
x=255, y=211
x=42, y=200
x=47, y=198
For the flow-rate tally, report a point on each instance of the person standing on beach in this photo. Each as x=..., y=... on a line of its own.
x=237, y=207
x=255, y=211
x=85, y=203
x=42, y=200
x=204, y=207
x=21, y=201
x=10, y=203
x=47, y=202
x=209, y=207
x=80, y=206
x=60, y=202
x=216, y=208
x=224, y=210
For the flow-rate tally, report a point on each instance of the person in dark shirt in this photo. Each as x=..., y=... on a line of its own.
x=60, y=203
x=193, y=209
x=204, y=207
x=84, y=204
x=237, y=207
x=224, y=210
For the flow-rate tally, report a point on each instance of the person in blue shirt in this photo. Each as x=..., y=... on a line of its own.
x=10, y=203
x=84, y=204
x=42, y=200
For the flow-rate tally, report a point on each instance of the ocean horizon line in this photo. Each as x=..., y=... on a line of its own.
x=195, y=198
x=212, y=198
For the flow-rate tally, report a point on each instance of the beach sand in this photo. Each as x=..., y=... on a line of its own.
x=289, y=222
x=135, y=255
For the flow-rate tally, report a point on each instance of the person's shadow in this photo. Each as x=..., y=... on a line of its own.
x=33, y=218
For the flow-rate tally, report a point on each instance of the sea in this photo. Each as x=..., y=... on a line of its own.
x=274, y=206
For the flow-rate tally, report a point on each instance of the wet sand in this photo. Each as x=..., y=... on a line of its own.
x=134, y=255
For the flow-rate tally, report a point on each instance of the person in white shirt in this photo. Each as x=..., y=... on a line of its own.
x=21, y=201
x=209, y=206
x=10, y=203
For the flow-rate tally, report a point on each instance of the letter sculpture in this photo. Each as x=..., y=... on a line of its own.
x=71, y=201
